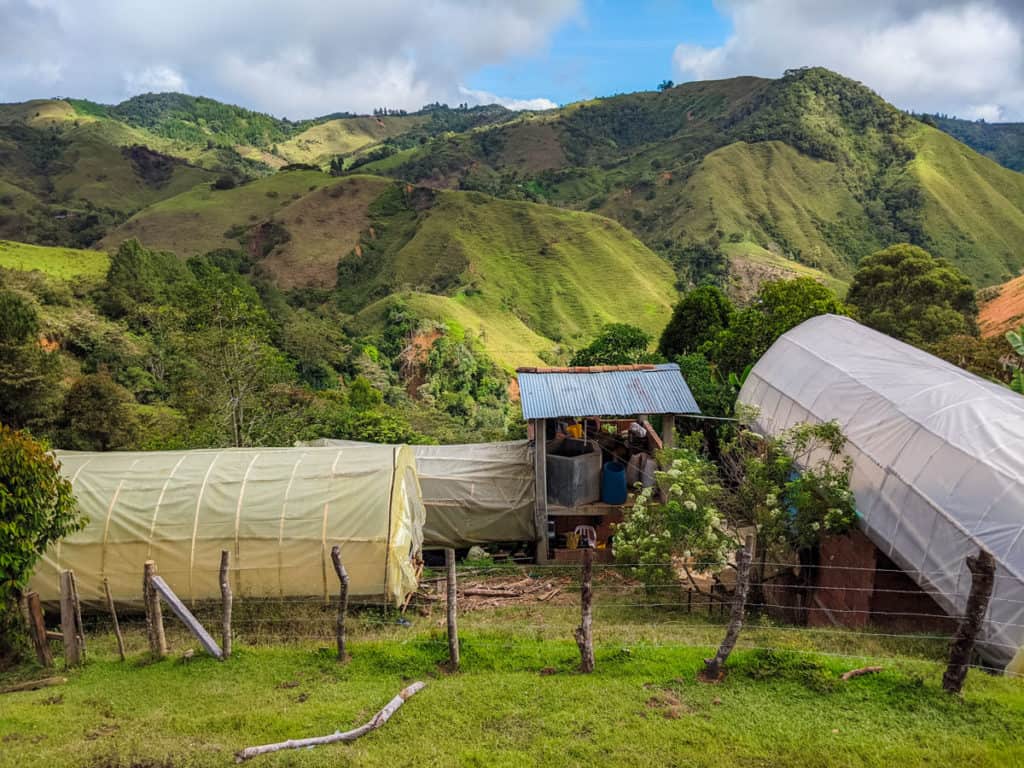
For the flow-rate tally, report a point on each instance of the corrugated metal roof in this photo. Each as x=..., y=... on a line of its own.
x=658, y=389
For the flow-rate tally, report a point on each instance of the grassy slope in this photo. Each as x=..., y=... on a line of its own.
x=319, y=143
x=197, y=221
x=527, y=275
x=324, y=226
x=974, y=209
x=65, y=263
x=641, y=707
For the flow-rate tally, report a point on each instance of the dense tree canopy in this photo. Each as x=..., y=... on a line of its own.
x=905, y=292
x=699, y=316
x=616, y=344
x=29, y=374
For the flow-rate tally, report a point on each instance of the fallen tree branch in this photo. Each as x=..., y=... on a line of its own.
x=862, y=671
x=34, y=685
x=485, y=592
x=378, y=720
x=545, y=597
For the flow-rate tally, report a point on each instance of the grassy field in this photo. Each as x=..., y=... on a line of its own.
x=65, y=263
x=518, y=699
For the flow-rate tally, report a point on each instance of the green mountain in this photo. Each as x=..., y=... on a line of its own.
x=1003, y=142
x=813, y=168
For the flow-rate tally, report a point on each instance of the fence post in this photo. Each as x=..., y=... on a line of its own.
x=453, y=629
x=68, y=620
x=225, y=599
x=983, y=571
x=584, y=637
x=339, y=569
x=154, y=614
x=113, y=616
x=37, y=630
x=713, y=666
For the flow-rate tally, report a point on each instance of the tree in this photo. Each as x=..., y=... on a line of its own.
x=664, y=85
x=99, y=415
x=37, y=508
x=29, y=375
x=698, y=317
x=779, y=306
x=909, y=294
x=616, y=344
x=362, y=395
x=982, y=357
x=137, y=276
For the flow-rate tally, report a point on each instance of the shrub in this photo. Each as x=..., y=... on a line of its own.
x=36, y=508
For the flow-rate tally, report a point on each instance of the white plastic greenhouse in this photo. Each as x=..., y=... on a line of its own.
x=474, y=493
x=278, y=511
x=938, y=458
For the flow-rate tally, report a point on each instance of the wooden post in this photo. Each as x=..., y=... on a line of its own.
x=540, y=479
x=113, y=617
x=342, y=602
x=77, y=605
x=154, y=615
x=68, y=622
x=713, y=666
x=584, y=638
x=161, y=589
x=453, y=629
x=37, y=630
x=225, y=599
x=983, y=571
x=668, y=430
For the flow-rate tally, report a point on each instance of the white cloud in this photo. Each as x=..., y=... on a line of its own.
x=157, y=79
x=297, y=58
x=486, y=97
x=961, y=57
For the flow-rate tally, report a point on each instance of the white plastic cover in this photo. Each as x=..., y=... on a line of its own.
x=938, y=458
x=278, y=511
x=475, y=493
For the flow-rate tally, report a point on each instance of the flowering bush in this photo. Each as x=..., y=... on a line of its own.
x=688, y=524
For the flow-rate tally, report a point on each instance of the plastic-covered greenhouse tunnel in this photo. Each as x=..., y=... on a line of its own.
x=278, y=512
x=938, y=459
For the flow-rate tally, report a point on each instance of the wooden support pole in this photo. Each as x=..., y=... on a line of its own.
x=540, y=480
x=983, y=573
x=37, y=630
x=68, y=623
x=584, y=636
x=77, y=605
x=713, y=666
x=668, y=430
x=113, y=617
x=453, y=628
x=154, y=614
x=339, y=628
x=225, y=599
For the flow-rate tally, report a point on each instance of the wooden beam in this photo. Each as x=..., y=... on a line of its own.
x=668, y=430
x=37, y=630
x=154, y=615
x=190, y=621
x=68, y=624
x=540, y=479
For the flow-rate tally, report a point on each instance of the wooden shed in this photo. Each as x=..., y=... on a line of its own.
x=589, y=425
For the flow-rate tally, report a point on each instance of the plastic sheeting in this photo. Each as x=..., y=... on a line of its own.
x=938, y=458
x=476, y=493
x=278, y=511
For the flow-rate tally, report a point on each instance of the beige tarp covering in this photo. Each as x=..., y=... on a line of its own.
x=938, y=465
x=474, y=494
x=278, y=511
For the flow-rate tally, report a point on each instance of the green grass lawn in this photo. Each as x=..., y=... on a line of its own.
x=65, y=263
x=518, y=699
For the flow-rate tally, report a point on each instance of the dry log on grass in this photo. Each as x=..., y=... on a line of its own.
x=378, y=720
x=34, y=685
x=548, y=595
x=487, y=592
x=858, y=672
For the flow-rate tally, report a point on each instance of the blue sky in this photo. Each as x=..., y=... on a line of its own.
x=610, y=47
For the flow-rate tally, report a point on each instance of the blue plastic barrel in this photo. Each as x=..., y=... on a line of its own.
x=613, y=483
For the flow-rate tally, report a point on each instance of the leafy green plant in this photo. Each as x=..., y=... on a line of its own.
x=36, y=508
x=616, y=344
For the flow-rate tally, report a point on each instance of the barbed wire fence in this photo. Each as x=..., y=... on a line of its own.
x=520, y=606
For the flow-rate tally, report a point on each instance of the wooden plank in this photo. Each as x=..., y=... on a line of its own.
x=68, y=625
x=186, y=617
x=540, y=479
x=37, y=630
